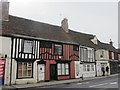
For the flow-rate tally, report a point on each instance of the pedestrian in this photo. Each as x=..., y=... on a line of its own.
x=107, y=70
x=103, y=71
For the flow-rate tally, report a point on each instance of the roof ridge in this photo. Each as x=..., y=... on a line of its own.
x=28, y=19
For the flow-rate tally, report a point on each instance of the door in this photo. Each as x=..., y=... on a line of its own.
x=53, y=72
x=77, y=69
x=41, y=72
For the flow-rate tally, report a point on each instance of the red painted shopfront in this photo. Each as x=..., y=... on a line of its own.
x=59, y=60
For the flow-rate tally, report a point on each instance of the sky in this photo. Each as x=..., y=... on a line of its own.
x=97, y=17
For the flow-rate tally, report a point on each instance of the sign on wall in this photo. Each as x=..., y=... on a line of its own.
x=2, y=71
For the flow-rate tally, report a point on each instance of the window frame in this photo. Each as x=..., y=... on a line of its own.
x=45, y=44
x=102, y=54
x=92, y=67
x=88, y=68
x=24, y=77
x=75, y=47
x=61, y=67
x=90, y=55
x=84, y=54
x=23, y=46
x=113, y=57
x=61, y=46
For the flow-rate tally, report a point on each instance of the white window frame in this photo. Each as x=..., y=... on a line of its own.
x=92, y=67
x=63, y=68
x=90, y=55
x=88, y=68
x=84, y=68
x=83, y=54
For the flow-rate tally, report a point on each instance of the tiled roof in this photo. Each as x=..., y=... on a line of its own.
x=106, y=46
x=25, y=27
x=82, y=38
x=34, y=29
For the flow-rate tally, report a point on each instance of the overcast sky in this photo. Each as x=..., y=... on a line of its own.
x=97, y=17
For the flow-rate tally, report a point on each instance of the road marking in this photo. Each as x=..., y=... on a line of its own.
x=114, y=83
x=83, y=83
x=79, y=83
x=86, y=82
x=98, y=85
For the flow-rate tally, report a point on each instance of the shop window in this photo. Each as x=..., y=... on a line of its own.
x=45, y=44
x=63, y=68
x=25, y=69
x=58, y=49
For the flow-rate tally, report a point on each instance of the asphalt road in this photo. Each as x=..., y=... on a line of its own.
x=108, y=83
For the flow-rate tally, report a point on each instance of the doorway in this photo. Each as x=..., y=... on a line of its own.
x=53, y=72
x=41, y=72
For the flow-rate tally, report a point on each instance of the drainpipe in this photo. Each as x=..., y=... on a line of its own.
x=95, y=68
x=95, y=63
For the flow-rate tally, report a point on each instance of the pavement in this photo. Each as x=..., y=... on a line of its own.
x=50, y=83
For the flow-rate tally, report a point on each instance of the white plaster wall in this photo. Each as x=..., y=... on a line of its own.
x=98, y=54
x=5, y=48
x=77, y=69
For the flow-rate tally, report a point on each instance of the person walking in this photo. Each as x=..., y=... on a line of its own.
x=107, y=70
x=103, y=70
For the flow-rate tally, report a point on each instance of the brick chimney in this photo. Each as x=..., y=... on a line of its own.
x=64, y=25
x=4, y=10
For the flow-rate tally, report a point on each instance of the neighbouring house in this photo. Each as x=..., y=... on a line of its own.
x=113, y=58
x=106, y=55
x=85, y=67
